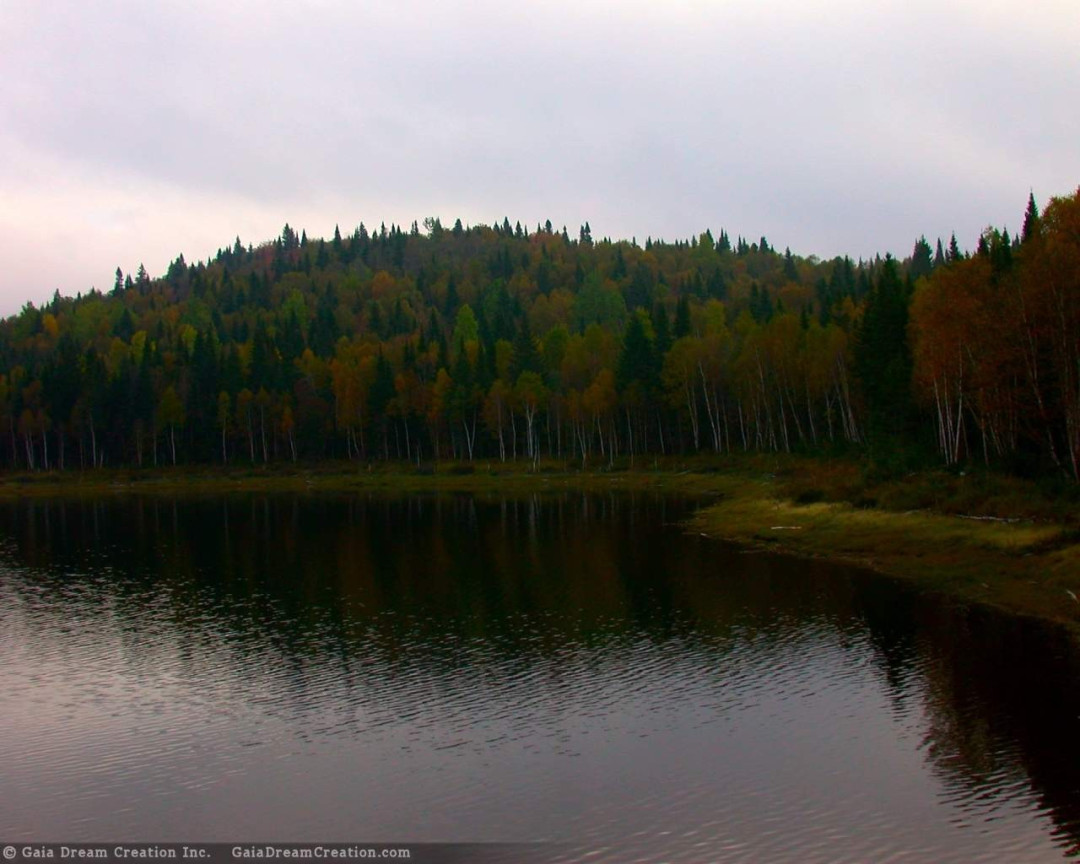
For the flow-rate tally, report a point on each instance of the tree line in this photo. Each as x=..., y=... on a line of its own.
x=504, y=342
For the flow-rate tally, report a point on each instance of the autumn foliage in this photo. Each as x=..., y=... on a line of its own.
x=996, y=340
x=503, y=343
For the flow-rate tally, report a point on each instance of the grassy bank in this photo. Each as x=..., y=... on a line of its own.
x=977, y=537
x=981, y=539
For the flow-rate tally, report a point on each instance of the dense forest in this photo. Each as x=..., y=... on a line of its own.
x=505, y=342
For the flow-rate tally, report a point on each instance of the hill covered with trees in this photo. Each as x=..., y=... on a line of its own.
x=504, y=342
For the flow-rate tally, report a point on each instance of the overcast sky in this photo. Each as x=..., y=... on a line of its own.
x=134, y=131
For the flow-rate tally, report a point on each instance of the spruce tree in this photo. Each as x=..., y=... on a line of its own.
x=638, y=367
x=954, y=250
x=526, y=357
x=1031, y=220
x=921, y=264
x=939, y=255
x=882, y=357
x=791, y=272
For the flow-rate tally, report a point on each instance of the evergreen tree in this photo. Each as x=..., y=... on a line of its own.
x=1031, y=220
x=761, y=305
x=452, y=302
x=662, y=329
x=791, y=272
x=639, y=294
x=526, y=357
x=882, y=357
x=716, y=288
x=618, y=267
x=382, y=387
x=921, y=264
x=125, y=327
x=954, y=253
x=638, y=367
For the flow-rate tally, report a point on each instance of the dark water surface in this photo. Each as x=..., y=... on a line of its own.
x=569, y=668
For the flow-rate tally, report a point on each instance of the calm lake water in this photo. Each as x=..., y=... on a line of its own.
x=569, y=668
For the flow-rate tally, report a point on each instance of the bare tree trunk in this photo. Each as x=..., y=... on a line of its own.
x=727, y=431
x=468, y=440
x=502, y=443
x=810, y=415
x=709, y=409
x=691, y=408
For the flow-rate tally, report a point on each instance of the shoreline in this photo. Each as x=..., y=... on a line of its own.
x=991, y=541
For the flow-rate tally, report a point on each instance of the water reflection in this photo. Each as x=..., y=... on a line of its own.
x=467, y=668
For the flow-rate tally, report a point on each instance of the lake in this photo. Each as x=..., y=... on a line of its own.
x=574, y=669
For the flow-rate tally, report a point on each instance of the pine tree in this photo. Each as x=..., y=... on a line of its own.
x=452, y=302
x=382, y=387
x=640, y=292
x=618, y=268
x=921, y=264
x=638, y=366
x=954, y=250
x=939, y=255
x=1031, y=220
x=526, y=357
x=882, y=357
x=791, y=272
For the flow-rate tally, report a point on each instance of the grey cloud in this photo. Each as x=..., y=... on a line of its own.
x=836, y=127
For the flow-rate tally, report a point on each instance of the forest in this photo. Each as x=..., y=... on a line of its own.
x=505, y=342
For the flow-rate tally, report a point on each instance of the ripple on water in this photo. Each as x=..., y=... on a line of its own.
x=176, y=705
